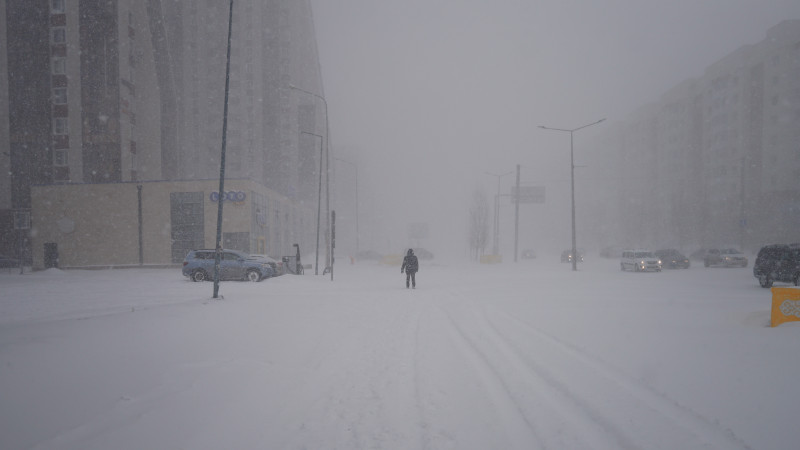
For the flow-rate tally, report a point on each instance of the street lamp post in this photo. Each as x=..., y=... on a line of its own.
x=218, y=245
x=355, y=166
x=496, y=224
x=319, y=199
x=327, y=178
x=572, y=183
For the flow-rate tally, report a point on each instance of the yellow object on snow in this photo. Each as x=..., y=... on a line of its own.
x=785, y=305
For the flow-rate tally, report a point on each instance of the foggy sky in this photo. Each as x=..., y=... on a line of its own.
x=428, y=95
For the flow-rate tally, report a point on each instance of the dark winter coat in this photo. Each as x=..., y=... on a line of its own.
x=410, y=263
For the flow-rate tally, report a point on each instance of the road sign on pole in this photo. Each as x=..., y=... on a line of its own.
x=528, y=194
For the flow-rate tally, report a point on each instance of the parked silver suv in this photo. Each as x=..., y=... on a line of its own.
x=233, y=265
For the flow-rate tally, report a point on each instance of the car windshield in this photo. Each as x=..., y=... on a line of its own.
x=643, y=255
x=730, y=251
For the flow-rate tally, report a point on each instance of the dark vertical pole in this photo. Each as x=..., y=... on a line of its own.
x=141, y=239
x=496, y=225
x=742, y=216
x=328, y=192
x=20, y=256
x=356, y=209
x=494, y=220
x=333, y=239
x=319, y=208
x=572, y=182
x=220, y=202
x=516, y=220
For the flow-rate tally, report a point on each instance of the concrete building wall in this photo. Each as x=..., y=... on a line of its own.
x=140, y=112
x=718, y=156
x=98, y=224
x=5, y=149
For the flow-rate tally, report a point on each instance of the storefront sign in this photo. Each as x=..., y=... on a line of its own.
x=229, y=196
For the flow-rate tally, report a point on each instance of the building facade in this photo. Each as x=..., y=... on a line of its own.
x=716, y=161
x=158, y=222
x=123, y=91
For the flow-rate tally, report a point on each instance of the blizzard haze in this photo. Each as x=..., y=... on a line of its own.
x=508, y=356
x=427, y=96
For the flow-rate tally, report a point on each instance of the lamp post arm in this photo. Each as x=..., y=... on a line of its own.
x=572, y=182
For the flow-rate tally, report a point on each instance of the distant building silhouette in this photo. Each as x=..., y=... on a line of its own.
x=714, y=161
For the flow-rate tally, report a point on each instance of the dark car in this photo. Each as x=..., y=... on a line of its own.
x=7, y=262
x=726, y=257
x=566, y=256
x=672, y=259
x=233, y=265
x=778, y=262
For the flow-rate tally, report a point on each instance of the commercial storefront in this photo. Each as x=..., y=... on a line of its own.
x=157, y=223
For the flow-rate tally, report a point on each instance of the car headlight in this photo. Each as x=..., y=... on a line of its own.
x=659, y=261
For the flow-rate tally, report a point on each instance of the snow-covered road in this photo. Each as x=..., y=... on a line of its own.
x=527, y=355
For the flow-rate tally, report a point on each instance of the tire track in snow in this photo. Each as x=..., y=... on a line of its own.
x=649, y=413
x=559, y=419
x=362, y=389
x=521, y=433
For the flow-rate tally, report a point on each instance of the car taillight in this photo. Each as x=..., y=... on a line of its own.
x=185, y=263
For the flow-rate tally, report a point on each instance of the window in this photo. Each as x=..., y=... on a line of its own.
x=60, y=125
x=58, y=6
x=60, y=96
x=186, y=214
x=58, y=35
x=59, y=66
x=60, y=157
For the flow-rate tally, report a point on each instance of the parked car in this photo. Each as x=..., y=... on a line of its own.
x=277, y=266
x=640, y=261
x=778, y=262
x=727, y=257
x=233, y=265
x=672, y=259
x=566, y=256
x=528, y=254
x=8, y=262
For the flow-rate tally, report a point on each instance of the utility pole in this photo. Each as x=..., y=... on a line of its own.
x=218, y=247
x=496, y=225
x=516, y=217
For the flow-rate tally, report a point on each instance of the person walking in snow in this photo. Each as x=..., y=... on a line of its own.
x=410, y=267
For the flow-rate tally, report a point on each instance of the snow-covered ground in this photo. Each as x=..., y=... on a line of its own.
x=511, y=356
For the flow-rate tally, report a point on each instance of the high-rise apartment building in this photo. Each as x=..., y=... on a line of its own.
x=716, y=161
x=127, y=91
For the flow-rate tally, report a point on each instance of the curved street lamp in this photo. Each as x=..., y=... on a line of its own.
x=572, y=182
x=327, y=183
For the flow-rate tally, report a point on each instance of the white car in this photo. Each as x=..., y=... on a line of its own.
x=640, y=261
